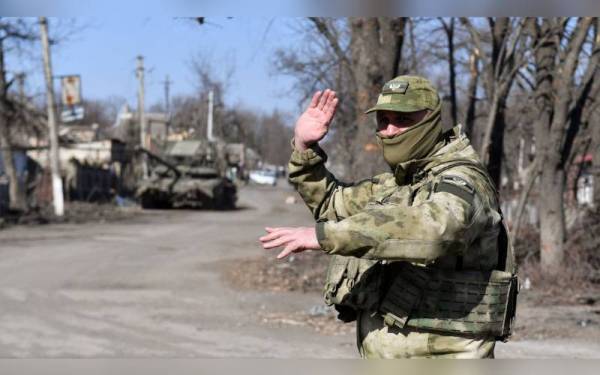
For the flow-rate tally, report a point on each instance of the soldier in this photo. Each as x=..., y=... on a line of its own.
x=420, y=256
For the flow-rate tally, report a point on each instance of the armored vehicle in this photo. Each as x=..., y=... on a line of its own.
x=188, y=173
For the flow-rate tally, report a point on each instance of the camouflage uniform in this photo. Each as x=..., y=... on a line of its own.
x=418, y=255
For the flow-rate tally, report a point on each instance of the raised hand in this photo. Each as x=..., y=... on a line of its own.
x=313, y=124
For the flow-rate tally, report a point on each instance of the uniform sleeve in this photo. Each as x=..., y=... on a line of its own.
x=327, y=198
x=442, y=224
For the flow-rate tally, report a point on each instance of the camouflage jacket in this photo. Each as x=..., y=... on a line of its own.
x=424, y=247
x=423, y=213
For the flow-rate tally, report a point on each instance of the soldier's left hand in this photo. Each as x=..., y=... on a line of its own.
x=293, y=240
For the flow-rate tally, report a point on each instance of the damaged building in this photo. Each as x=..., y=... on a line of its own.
x=91, y=163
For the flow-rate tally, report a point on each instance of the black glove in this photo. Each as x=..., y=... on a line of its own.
x=345, y=313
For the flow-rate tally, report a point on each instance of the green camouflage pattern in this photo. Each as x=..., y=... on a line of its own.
x=407, y=94
x=390, y=217
x=406, y=217
x=379, y=341
x=449, y=301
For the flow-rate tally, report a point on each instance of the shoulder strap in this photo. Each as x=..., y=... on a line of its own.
x=466, y=163
x=506, y=252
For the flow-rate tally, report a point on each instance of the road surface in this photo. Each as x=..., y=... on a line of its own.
x=152, y=286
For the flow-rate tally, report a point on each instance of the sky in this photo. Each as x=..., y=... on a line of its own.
x=336, y=8
x=104, y=54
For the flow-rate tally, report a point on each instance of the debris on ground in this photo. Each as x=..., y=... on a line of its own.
x=537, y=319
x=538, y=316
x=298, y=273
x=587, y=299
x=323, y=324
x=303, y=273
x=579, y=272
x=75, y=212
x=321, y=310
x=122, y=201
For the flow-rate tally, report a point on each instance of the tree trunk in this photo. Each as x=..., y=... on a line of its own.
x=472, y=90
x=499, y=76
x=496, y=149
x=526, y=190
x=596, y=163
x=555, y=88
x=583, y=113
x=16, y=192
x=552, y=218
x=375, y=48
x=451, y=69
x=550, y=215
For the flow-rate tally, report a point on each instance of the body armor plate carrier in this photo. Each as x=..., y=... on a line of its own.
x=459, y=302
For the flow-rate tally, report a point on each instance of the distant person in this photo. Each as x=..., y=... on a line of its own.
x=420, y=256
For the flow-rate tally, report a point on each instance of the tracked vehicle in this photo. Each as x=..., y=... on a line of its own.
x=188, y=174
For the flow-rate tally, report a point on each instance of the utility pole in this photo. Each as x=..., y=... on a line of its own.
x=21, y=81
x=209, y=122
x=167, y=83
x=141, y=115
x=57, y=187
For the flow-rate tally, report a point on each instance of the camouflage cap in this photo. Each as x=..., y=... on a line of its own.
x=407, y=94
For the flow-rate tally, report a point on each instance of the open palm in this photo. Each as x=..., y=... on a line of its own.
x=313, y=124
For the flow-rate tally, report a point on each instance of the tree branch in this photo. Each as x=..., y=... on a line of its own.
x=333, y=41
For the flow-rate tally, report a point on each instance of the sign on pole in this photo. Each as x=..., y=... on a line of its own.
x=72, y=109
x=74, y=113
x=71, y=90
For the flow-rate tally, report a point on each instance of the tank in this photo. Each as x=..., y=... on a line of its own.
x=188, y=174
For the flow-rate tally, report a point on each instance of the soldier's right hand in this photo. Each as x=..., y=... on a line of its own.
x=313, y=124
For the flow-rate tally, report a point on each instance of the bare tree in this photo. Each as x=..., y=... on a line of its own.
x=376, y=51
x=324, y=61
x=355, y=57
x=544, y=70
x=584, y=100
x=99, y=112
x=507, y=54
x=271, y=134
x=474, y=58
x=591, y=118
x=596, y=162
x=263, y=133
x=557, y=96
x=12, y=32
x=449, y=31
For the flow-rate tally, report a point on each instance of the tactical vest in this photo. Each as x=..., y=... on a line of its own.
x=456, y=301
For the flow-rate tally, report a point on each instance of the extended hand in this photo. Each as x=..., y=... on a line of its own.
x=313, y=124
x=294, y=240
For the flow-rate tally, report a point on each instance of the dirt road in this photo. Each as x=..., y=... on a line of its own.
x=151, y=286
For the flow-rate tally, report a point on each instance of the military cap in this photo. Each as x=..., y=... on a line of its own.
x=407, y=94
